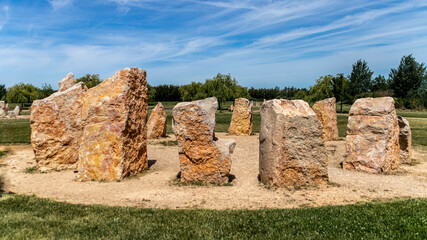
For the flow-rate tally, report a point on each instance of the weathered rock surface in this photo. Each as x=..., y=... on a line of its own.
x=291, y=149
x=2, y=105
x=241, y=120
x=203, y=157
x=327, y=114
x=2, y=113
x=56, y=128
x=405, y=141
x=67, y=82
x=231, y=108
x=372, y=142
x=156, y=126
x=114, y=118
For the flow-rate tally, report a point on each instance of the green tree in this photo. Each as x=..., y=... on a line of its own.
x=151, y=93
x=2, y=91
x=22, y=93
x=192, y=91
x=408, y=78
x=322, y=89
x=340, y=88
x=224, y=88
x=360, y=78
x=379, y=84
x=90, y=80
x=46, y=91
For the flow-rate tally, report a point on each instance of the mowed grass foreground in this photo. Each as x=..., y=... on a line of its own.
x=31, y=217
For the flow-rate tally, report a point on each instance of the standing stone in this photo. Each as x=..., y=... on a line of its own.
x=17, y=110
x=372, y=142
x=2, y=105
x=405, y=141
x=203, y=157
x=114, y=118
x=6, y=108
x=231, y=108
x=14, y=113
x=156, y=126
x=241, y=121
x=327, y=114
x=2, y=113
x=56, y=128
x=291, y=151
x=67, y=82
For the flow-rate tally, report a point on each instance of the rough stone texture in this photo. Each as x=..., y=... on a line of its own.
x=241, y=121
x=405, y=141
x=2, y=105
x=56, y=129
x=156, y=126
x=6, y=108
x=14, y=113
x=372, y=142
x=203, y=157
x=2, y=113
x=114, y=118
x=291, y=151
x=327, y=114
x=67, y=82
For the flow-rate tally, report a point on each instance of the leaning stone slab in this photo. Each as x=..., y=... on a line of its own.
x=327, y=114
x=405, y=141
x=56, y=128
x=156, y=126
x=203, y=158
x=114, y=118
x=372, y=142
x=291, y=151
x=241, y=120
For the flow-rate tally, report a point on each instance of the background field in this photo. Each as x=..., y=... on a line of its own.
x=18, y=130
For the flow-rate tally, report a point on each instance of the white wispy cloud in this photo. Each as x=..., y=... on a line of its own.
x=4, y=17
x=58, y=4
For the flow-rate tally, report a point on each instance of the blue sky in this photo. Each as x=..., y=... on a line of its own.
x=260, y=43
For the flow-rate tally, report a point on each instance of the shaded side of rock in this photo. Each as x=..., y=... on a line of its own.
x=241, y=120
x=405, y=141
x=114, y=118
x=372, y=142
x=292, y=152
x=203, y=158
x=156, y=126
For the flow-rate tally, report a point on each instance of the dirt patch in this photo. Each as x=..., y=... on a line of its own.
x=157, y=187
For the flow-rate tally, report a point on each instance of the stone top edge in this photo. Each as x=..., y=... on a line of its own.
x=290, y=107
x=373, y=106
x=197, y=102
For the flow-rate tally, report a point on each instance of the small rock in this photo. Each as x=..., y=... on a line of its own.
x=405, y=141
x=156, y=126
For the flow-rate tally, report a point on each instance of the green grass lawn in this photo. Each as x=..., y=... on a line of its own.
x=15, y=131
x=35, y=218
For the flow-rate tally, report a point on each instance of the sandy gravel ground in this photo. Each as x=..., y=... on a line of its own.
x=157, y=188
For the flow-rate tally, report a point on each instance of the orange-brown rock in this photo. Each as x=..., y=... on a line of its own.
x=241, y=120
x=203, y=157
x=372, y=142
x=156, y=126
x=291, y=151
x=56, y=128
x=114, y=116
x=327, y=114
x=405, y=141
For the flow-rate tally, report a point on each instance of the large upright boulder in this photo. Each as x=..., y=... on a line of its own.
x=372, y=142
x=156, y=126
x=114, y=117
x=327, y=114
x=241, y=120
x=203, y=157
x=56, y=128
x=291, y=151
x=405, y=141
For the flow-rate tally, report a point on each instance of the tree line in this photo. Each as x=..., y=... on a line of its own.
x=407, y=84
